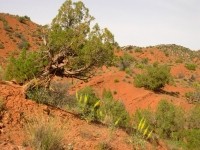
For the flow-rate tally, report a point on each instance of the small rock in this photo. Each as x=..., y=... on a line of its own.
x=1, y=125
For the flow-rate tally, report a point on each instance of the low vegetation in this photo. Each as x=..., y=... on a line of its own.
x=154, y=77
x=1, y=46
x=23, y=68
x=172, y=123
x=43, y=134
x=191, y=66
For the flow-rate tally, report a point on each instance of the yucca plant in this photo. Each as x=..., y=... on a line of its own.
x=143, y=129
x=88, y=111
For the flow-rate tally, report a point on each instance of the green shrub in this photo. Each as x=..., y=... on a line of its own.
x=116, y=80
x=179, y=61
x=23, y=44
x=138, y=50
x=112, y=112
x=193, y=118
x=154, y=78
x=169, y=119
x=191, y=66
x=145, y=60
x=23, y=19
x=88, y=103
x=128, y=71
x=107, y=94
x=125, y=61
x=24, y=67
x=139, y=65
x=1, y=46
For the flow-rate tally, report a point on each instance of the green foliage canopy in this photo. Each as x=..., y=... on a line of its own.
x=154, y=77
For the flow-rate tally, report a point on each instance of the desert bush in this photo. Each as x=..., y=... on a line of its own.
x=116, y=80
x=193, y=96
x=56, y=95
x=179, y=61
x=43, y=134
x=139, y=65
x=112, y=112
x=23, y=44
x=146, y=114
x=23, y=19
x=145, y=60
x=193, y=118
x=125, y=61
x=7, y=27
x=1, y=46
x=19, y=35
x=23, y=68
x=138, y=50
x=166, y=53
x=154, y=78
x=88, y=103
x=3, y=19
x=169, y=119
x=191, y=66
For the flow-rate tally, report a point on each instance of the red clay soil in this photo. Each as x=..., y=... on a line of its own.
x=29, y=30
x=77, y=132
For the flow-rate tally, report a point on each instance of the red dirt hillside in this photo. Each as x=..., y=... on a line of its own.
x=12, y=32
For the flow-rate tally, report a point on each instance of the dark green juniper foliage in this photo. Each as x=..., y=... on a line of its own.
x=25, y=67
x=71, y=47
x=154, y=77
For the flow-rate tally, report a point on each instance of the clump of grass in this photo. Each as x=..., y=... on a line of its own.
x=116, y=80
x=1, y=46
x=2, y=104
x=43, y=134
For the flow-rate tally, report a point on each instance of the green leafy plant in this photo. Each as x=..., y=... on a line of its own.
x=112, y=112
x=88, y=103
x=24, y=67
x=154, y=78
x=72, y=48
x=87, y=109
x=169, y=119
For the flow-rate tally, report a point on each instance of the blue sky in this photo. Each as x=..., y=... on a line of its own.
x=133, y=22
